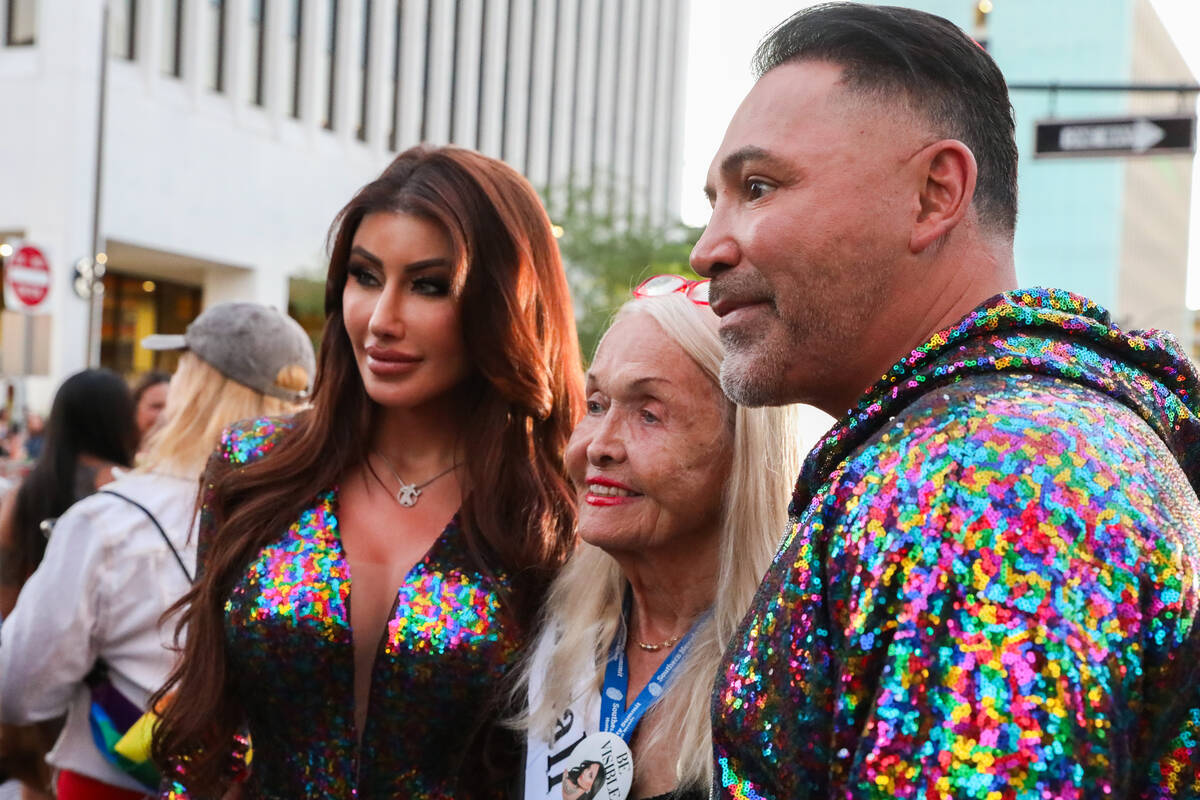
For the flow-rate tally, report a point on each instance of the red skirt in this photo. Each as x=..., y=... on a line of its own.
x=73, y=786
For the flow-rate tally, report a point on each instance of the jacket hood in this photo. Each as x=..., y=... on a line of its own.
x=1040, y=331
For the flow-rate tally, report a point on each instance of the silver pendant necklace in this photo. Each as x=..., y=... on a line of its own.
x=409, y=493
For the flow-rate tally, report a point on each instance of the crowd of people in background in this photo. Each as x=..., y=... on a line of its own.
x=90, y=436
x=90, y=639
x=439, y=559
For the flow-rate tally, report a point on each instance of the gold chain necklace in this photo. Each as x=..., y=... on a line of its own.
x=655, y=647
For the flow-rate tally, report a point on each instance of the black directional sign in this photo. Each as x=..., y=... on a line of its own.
x=1123, y=136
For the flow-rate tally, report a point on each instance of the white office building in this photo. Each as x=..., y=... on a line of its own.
x=235, y=129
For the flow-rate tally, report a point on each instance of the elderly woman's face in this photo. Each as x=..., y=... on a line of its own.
x=651, y=456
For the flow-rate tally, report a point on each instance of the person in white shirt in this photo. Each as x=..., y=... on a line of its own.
x=119, y=559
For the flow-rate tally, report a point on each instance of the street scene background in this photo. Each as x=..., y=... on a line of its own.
x=158, y=157
x=206, y=159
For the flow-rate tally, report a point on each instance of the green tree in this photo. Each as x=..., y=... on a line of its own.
x=606, y=256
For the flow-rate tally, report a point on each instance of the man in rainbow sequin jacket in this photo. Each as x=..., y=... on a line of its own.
x=989, y=585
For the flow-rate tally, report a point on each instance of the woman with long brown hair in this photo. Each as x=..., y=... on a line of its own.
x=370, y=567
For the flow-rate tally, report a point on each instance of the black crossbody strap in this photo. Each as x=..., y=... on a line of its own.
x=161, y=532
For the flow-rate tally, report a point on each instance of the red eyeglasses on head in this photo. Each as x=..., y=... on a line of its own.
x=660, y=285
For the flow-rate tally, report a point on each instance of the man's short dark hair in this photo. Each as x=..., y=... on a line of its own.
x=948, y=79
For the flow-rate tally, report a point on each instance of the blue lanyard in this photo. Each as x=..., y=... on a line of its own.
x=614, y=717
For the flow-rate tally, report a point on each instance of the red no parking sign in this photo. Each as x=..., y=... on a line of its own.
x=27, y=276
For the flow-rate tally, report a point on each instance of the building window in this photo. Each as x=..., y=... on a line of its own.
x=215, y=25
x=297, y=60
x=426, y=82
x=531, y=78
x=21, y=28
x=576, y=89
x=550, y=113
x=122, y=29
x=329, y=68
x=456, y=39
x=675, y=85
x=135, y=307
x=365, y=100
x=393, y=135
x=508, y=38
x=481, y=76
x=258, y=10
x=172, y=38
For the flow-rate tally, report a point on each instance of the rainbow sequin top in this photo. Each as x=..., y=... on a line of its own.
x=989, y=584
x=447, y=646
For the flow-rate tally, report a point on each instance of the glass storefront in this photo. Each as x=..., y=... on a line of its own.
x=135, y=307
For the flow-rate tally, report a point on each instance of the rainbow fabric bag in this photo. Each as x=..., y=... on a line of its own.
x=135, y=744
x=112, y=718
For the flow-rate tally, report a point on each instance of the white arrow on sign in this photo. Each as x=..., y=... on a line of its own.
x=1138, y=136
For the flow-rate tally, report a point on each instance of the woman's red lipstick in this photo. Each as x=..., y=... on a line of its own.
x=599, y=492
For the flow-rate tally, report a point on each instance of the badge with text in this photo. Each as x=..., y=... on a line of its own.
x=599, y=767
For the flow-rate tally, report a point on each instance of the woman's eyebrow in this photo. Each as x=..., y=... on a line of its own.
x=427, y=263
x=641, y=383
x=359, y=250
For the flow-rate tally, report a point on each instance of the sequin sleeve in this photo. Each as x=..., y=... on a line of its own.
x=1003, y=573
x=240, y=444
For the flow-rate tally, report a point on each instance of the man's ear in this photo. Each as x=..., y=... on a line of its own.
x=948, y=172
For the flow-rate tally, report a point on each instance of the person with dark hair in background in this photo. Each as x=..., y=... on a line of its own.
x=149, y=400
x=11, y=436
x=369, y=568
x=35, y=435
x=988, y=588
x=90, y=433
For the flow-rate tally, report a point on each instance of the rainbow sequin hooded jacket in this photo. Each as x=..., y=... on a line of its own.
x=988, y=588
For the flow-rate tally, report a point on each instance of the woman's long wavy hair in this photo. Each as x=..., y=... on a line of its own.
x=526, y=390
x=92, y=414
x=583, y=611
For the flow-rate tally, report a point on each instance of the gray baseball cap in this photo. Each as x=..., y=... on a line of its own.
x=246, y=342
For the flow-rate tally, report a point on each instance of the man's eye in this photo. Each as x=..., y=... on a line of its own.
x=757, y=187
x=594, y=407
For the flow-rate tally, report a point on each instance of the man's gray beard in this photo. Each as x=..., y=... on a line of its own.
x=751, y=374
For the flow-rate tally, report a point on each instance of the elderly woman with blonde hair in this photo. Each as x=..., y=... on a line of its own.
x=86, y=637
x=682, y=499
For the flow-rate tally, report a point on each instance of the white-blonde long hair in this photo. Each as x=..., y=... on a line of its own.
x=201, y=402
x=583, y=611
